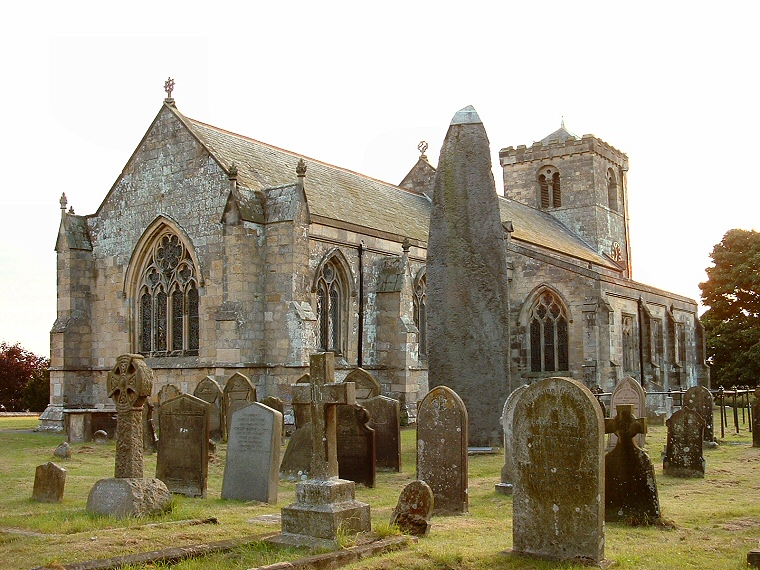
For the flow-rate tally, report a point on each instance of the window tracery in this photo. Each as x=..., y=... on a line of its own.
x=331, y=293
x=548, y=332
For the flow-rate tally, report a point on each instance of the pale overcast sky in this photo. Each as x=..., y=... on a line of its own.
x=672, y=84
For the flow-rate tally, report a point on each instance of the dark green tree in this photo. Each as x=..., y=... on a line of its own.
x=18, y=369
x=732, y=322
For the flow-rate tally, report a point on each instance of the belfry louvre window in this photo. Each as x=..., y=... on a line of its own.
x=168, y=301
x=548, y=335
x=330, y=298
x=549, y=186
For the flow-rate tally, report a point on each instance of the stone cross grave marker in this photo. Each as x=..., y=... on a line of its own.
x=683, y=451
x=507, y=418
x=630, y=486
x=49, y=482
x=442, y=449
x=356, y=445
x=238, y=393
x=385, y=419
x=183, y=447
x=699, y=399
x=558, y=443
x=209, y=391
x=324, y=503
x=251, y=470
x=628, y=391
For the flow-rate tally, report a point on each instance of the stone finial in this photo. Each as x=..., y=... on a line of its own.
x=301, y=168
x=169, y=87
x=405, y=245
x=63, y=201
x=233, y=171
x=422, y=147
x=71, y=210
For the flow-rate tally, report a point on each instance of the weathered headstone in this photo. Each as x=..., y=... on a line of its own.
x=630, y=486
x=467, y=281
x=251, y=471
x=63, y=451
x=683, y=451
x=166, y=393
x=150, y=440
x=296, y=461
x=507, y=418
x=238, y=393
x=659, y=404
x=276, y=404
x=301, y=410
x=129, y=383
x=324, y=503
x=366, y=385
x=628, y=391
x=49, y=483
x=356, y=445
x=558, y=442
x=183, y=446
x=442, y=449
x=699, y=399
x=209, y=391
x=385, y=419
x=414, y=509
x=100, y=436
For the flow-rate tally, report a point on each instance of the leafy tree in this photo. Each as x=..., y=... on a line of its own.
x=732, y=323
x=18, y=369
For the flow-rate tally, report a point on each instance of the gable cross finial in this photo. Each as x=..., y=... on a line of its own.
x=169, y=87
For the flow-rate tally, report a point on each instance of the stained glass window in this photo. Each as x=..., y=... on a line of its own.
x=548, y=335
x=329, y=309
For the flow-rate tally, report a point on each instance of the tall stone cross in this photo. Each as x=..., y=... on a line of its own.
x=129, y=383
x=323, y=395
x=625, y=425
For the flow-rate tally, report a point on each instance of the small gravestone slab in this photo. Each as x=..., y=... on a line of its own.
x=238, y=393
x=49, y=482
x=63, y=451
x=699, y=399
x=100, y=436
x=385, y=419
x=129, y=497
x=442, y=449
x=414, y=509
x=366, y=385
x=356, y=445
x=558, y=442
x=507, y=418
x=296, y=461
x=628, y=391
x=182, y=461
x=251, y=471
x=683, y=451
x=276, y=404
x=753, y=558
x=630, y=486
x=209, y=391
x=756, y=421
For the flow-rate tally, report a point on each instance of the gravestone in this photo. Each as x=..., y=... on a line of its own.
x=366, y=385
x=414, y=509
x=296, y=461
x=183, y=448
x=276, y=404
x=301, y=411
x=507, y=418
x=630, y=485
x=150, y=441
x=683, y=451
x=356, y=445
x=442, y=449
x=659, y=404
x=49, y=483
x=324, y=504
x=238, y=393
x=756, y=420
x=63, y=451
x=467, y=281
x=385, y=419
x=251, y=471
x=209, y=391
x=628, y=391
x=558, y=443
x=699, y=399
x=166, y=393
x=129, y=383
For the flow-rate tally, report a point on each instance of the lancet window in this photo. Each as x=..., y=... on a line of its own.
x=420, y=313
x=331, y=295
x=548, y=334
x=629, y=344
x=168, y=301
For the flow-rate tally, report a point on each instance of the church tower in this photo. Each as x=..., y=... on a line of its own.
x=581, y=181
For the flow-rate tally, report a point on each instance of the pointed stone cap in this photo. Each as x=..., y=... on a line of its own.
x=466, y=116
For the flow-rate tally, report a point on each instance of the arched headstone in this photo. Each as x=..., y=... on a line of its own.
x=683, y=451
x=507, y=417
x=385, y=419
x=366, y=385
x=209, y=391
x=628, y=391
x=238, y=393
x=699, y=399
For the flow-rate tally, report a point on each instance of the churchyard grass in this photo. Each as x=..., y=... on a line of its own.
x=713, y=521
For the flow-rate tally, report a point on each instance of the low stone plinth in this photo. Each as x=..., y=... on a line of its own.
x=753, y=558
x=323, y=507
x=129, y=497
x=504, y=488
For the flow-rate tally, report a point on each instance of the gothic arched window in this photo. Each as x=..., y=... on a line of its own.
x=168, y=300
x=549, y=186
x=331, y=295
x=420, y=313
x=547, y=324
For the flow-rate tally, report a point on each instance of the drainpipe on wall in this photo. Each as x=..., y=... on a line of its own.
x=359, y=341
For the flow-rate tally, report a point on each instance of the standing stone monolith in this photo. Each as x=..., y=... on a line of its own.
x=683, y=451
x=467, y=282
x=507, y=418
x=628, y=391
x=558, y=442
x=442, y=460
x=699, y=399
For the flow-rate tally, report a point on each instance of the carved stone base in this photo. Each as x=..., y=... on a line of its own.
x=324, y=507
x=129, y=497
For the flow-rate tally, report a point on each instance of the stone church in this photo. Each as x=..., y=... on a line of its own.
x=214, y=253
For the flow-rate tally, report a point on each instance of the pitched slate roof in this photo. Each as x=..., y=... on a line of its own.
x=333, y=193
x=560, y=135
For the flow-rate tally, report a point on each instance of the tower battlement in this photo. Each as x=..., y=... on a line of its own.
x=543, y=150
